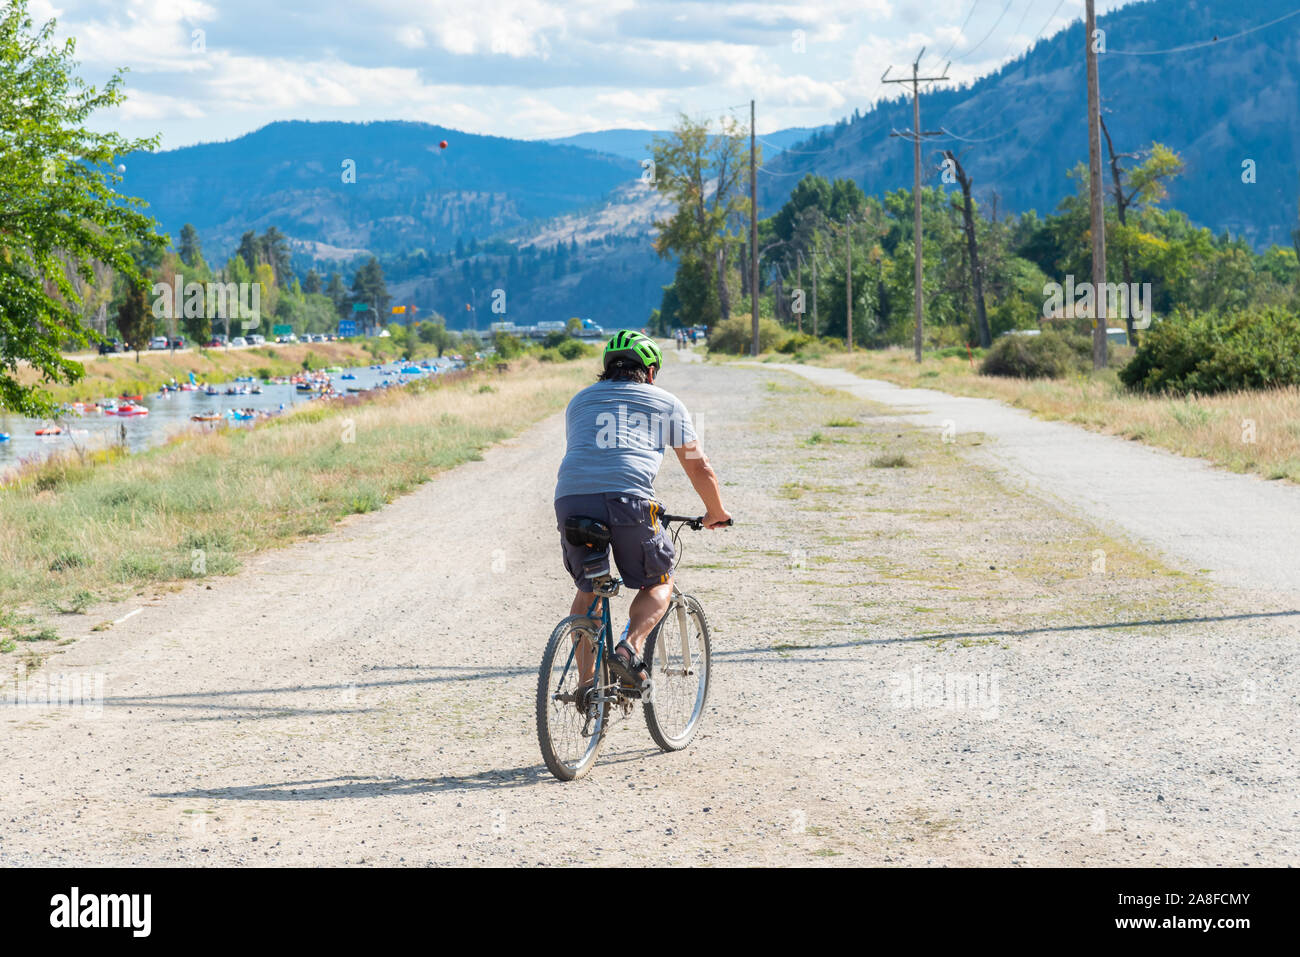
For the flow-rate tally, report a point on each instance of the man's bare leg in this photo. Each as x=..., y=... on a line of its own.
x=586, y=653
x=647, y=608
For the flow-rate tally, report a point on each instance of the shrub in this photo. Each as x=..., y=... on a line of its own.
x=734, y=336
x=1251, y=349
x=891, y=460
x=572, y=349
x=508, y=346
x=1052, y=355
x=795, y=342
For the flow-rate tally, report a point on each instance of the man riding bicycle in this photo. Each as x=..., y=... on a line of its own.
x=617, y=430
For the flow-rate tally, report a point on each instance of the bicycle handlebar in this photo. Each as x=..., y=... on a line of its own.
x=695, y=523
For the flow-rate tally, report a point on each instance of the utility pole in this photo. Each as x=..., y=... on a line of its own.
x=753, y=227
x=798, y=284
x=1095, y=196
x=915, y=134
x=814, y=302
x=848, y=279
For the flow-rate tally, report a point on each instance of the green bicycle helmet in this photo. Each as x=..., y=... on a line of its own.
x=627, y=344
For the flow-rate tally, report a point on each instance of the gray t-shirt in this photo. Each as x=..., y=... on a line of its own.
x=617, y=433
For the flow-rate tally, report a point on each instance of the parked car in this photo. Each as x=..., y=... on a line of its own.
x=238, y=341
x=111, y=345
x=158, y=342
x=177, y=342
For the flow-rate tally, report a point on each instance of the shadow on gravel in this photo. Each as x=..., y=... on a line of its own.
x=356, y=786
x=218, y=701
x=737, y=653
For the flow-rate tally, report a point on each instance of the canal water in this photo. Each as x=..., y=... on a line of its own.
x=169, y=412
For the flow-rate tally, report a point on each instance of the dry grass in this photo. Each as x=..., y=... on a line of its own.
x=1241, y=431
x=201, y=504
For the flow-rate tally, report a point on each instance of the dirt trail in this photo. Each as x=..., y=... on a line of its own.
x=1242, y=529
x=367, y=697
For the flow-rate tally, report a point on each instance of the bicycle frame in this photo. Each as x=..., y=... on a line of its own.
x=604, y=590
x=607, y=587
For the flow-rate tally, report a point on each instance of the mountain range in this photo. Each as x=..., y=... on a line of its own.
x=1215, y=98
x=1216, y=80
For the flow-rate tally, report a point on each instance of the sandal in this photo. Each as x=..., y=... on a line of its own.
x=629, y=667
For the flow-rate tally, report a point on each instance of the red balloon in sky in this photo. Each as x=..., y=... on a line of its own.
x=442, y=145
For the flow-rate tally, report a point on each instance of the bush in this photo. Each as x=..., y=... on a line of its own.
x=572, y=349
x=507, y=346
x=1252, y=349
x=796, y=342
x=734, y=336
x=1051, y=355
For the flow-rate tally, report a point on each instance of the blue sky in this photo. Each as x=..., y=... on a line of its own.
x=203, y=70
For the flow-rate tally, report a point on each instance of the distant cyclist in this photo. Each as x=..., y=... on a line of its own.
x=617, y=430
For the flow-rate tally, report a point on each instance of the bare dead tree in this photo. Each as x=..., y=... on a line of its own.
x=972, y=246
x=1122, y=203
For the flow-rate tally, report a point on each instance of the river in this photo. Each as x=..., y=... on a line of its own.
x=169, y=412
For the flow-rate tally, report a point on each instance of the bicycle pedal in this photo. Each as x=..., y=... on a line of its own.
x=632, y=692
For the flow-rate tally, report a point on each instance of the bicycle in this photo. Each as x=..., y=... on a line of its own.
x=572, y=719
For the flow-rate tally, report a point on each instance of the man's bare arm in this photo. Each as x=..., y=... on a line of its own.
x=705, y=481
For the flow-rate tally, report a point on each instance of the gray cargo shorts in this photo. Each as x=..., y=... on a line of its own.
x=643, y=550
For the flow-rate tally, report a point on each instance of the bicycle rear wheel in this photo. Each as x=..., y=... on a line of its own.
x=678, y=653
x=570, y=739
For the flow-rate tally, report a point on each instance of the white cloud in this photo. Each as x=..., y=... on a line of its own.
x=518, y=67
x=411, y=37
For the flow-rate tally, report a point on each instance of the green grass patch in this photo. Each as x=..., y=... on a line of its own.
x=891, y=460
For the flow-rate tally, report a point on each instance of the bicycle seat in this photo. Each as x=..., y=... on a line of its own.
x=586, y=532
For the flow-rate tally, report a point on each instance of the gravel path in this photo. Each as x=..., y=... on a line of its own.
x=913, y=665
x=1242, y=529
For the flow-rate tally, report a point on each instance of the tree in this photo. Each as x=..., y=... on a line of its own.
x=434, y=332
x=275, y=250
x=135, y=319
x=703, y=175
x=270, y=295
x=60, y=211
x=190, y=252
x=976, y=274
x=1147, y=182
x=311, y=283
x=811, y=192
x=250, y=250
x=369, y=288
x=338, y=293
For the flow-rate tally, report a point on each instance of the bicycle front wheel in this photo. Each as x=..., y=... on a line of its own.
x=570, y=731
x=678, y=653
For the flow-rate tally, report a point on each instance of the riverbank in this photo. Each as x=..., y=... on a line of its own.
x=1256, y=432
x=73, y=533
x=109, y=376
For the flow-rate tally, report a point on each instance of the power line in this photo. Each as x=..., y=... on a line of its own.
x=1029, y=5
x=1047, y=23
x=989, y=34
x=960, y=31
x=1205, y=43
